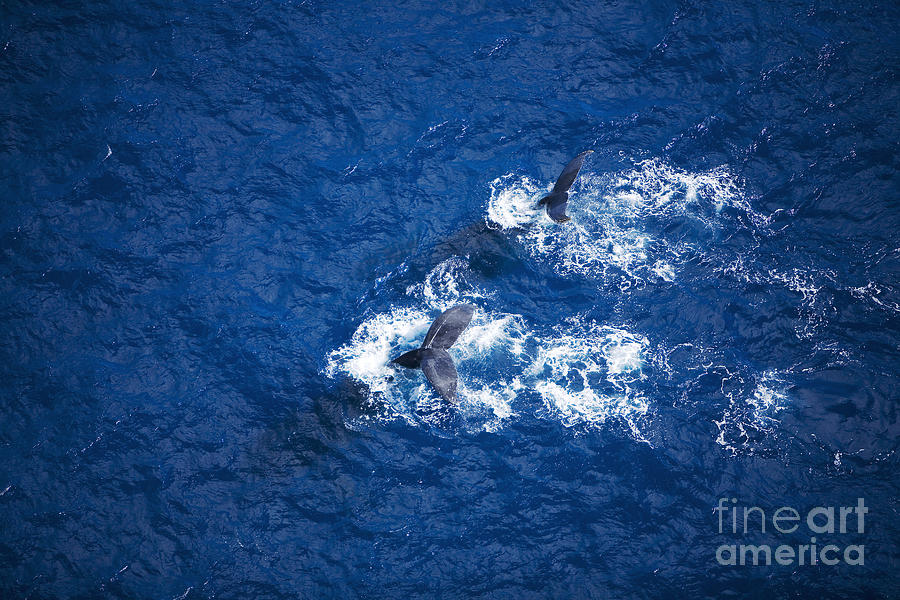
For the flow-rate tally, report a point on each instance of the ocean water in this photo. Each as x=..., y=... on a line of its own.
x=220, y=221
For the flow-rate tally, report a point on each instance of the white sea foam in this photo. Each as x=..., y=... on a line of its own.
x=579, y=373
x=584, y=374
x=587, y=375
x=752, y=409
x=367, y=355
x=637, y=227
x=619, y=220
x=445, y=285
x=490, y=345
x=873, y=292
x=513, y=202
x=768, y=397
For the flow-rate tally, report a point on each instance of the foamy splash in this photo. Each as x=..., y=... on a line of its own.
x=513, y=201
x=584, y=374
x=446, y=284
x=589, y=375
x=610, y=236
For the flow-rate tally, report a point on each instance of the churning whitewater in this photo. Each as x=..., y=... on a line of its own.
x=582, y=372
x=585, y=373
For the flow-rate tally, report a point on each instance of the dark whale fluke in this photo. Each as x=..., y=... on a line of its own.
x=432, y=357
x=557, y=199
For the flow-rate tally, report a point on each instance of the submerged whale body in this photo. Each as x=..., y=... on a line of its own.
x=432, y=356
x=557, y=199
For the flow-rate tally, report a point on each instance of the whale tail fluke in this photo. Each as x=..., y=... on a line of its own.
x=556, y=206
x=432, y=357
x=440, y=372
x=410, y=360
x=567, y=177
x=557, y=199
x=445, y=330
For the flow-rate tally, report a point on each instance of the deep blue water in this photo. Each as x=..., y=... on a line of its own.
x=220, y=221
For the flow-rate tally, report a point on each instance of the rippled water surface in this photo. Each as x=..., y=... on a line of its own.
x=222, y=220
